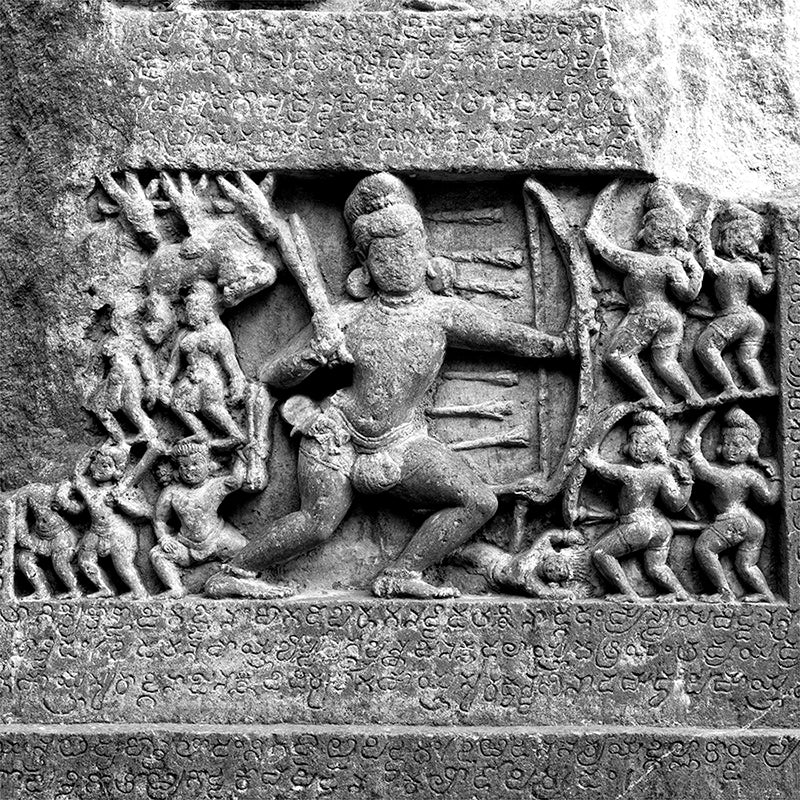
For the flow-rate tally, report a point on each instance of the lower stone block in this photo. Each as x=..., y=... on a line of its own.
x=172, y=762
x=348, y=659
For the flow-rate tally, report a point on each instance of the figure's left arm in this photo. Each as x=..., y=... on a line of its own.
x=686, y=280
x=766, y=490
x=676, y=487
x=134, y=504
x=230, y=363
x=762, y=281
x=474, y=328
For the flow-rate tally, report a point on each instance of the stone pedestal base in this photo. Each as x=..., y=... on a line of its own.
x=254, y=762
x=348, y=696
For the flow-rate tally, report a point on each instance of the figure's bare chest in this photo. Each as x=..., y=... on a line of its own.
x=407, y=340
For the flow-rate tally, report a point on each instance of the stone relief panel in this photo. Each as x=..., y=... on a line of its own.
x=557, y=389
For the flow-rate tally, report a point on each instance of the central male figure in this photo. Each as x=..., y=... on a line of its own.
x=371, y=437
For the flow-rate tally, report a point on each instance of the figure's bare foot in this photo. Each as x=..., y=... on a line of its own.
x=135, y=594
x=229, y=584
x=758, y=597
x=695, y=400
x=174, y=594
x=673, y=597
x=41, y=594
x=101, y=593
x=729, y=393
x=766, y=388
x=72, y=594
x=407, y=583
x=654, y=402
x=721, y=597
x=625, y=598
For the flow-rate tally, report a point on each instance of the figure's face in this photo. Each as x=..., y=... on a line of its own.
x=644, y=444
x=198, y=310
x=736, y=447
x=741, y=239
x=193, y=468
x=103, y=468
x=163, y=474
x=657, y=235
x=555, y=569
x=398, y=264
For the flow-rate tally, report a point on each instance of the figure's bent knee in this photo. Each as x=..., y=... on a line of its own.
x=26, y=560
x=704, y=346
x=157, y=554
x=664, y=359
x=485, y=505
x=614, y=358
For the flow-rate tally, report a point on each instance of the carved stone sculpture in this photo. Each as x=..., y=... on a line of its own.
x=738, y=269
x=400, y=398
x=131, y=384
x=538, y=571
x=652, y=477
x=740, y=474
x=371, y=437
x=204, y=376
x=98, y=488
x=203, y=535
x=659, y=273
x=40, y=531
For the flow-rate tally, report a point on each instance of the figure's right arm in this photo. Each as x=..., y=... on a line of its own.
x=161, y=515
x=676, y=489
x=703, y=469
x=171, y=372
x=301, y=357
x=700, y=233
x=762, y=279
x=595, y=462
x=147, y=364
x=66, y=501
x=82, y=483
x=615, y=256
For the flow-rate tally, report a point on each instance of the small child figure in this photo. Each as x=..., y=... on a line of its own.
x=538, y=571
x=111, y=506
x=654, y=475
x=737, y=270
x=195, y=500
x=733, y=482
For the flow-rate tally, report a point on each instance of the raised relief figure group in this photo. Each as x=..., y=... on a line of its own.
x=181, y=414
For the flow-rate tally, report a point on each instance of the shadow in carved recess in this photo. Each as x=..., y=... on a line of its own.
x=420, y=389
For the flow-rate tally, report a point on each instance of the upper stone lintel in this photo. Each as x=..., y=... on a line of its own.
x=444, y=92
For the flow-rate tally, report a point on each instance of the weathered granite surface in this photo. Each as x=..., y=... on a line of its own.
x=239, y=171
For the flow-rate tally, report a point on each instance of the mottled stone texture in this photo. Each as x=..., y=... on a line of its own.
x=344, y=661
x=335, y=694
x=251, y=762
